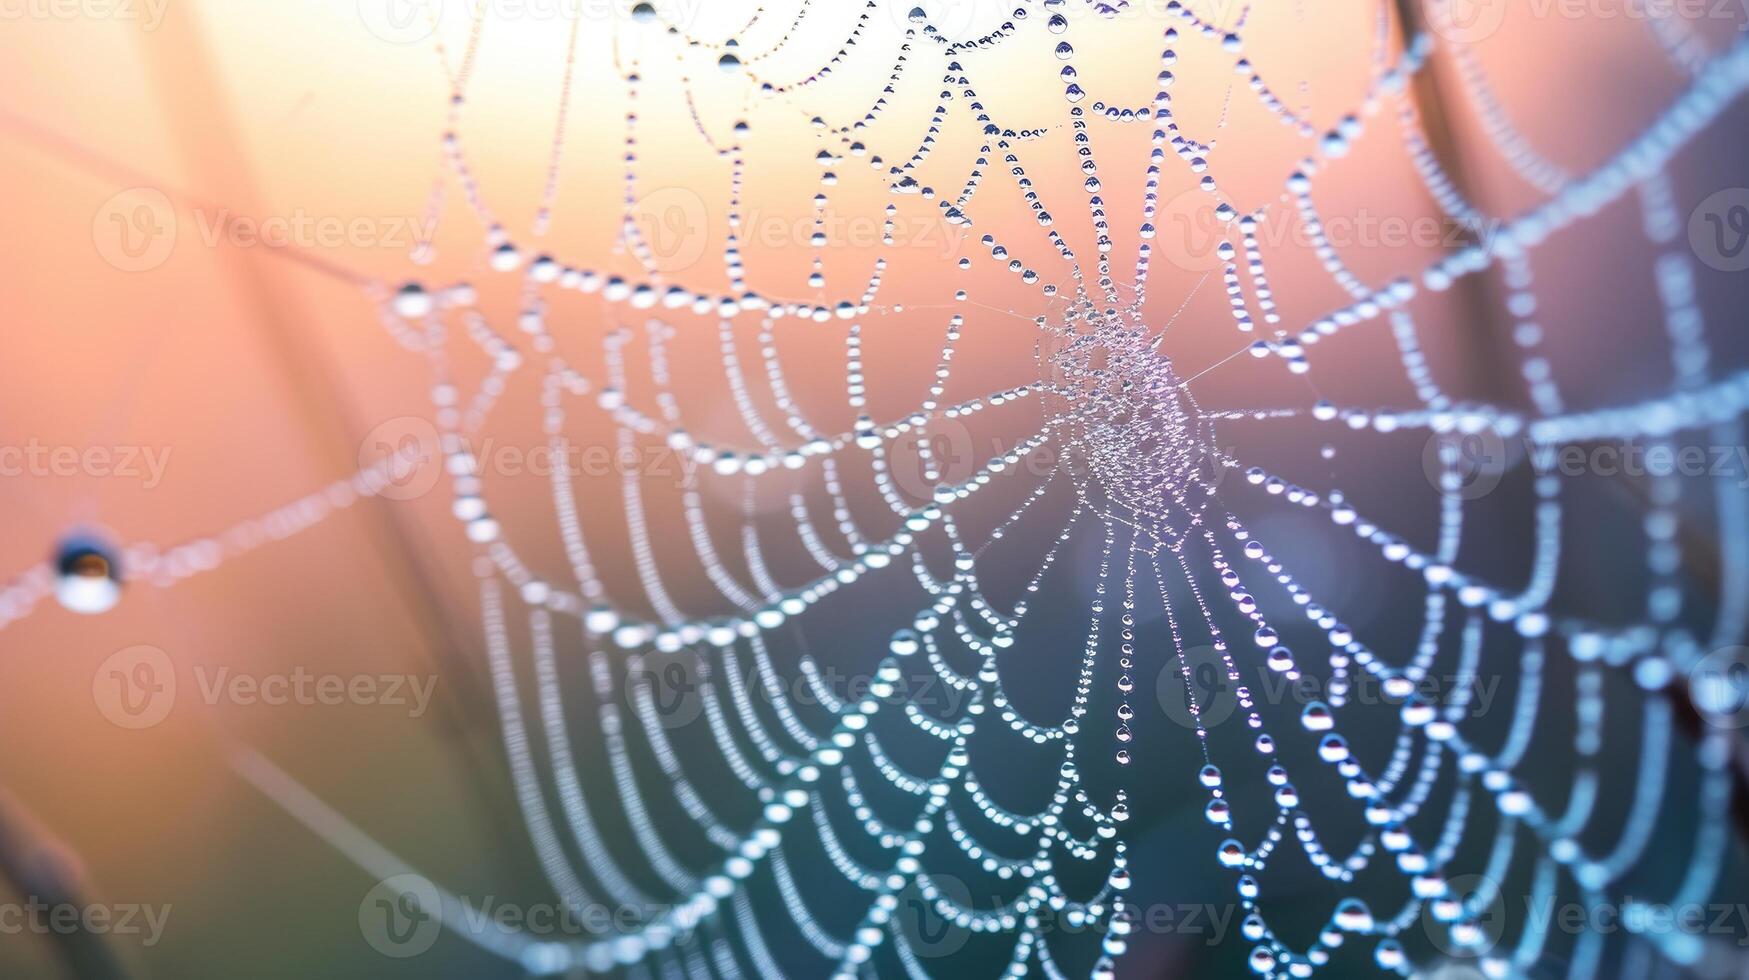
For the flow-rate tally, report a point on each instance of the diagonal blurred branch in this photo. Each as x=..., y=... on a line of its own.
x=1484, y=356
x=46, y=872
x=191, y=90
x=1488, y=363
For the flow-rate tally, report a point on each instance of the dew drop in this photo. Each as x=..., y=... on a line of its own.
x=1316, y=717
x=87, y=575
x=412, y=302
x=904, y=643
x=1352, y=915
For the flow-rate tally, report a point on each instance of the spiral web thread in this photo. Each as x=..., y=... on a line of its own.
x=1136, y=456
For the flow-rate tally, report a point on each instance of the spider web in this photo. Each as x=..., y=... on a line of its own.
x=968, y=813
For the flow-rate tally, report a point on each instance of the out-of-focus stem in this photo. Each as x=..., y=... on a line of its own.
x=45, y=871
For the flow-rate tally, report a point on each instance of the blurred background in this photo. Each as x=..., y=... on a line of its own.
x=207, y=205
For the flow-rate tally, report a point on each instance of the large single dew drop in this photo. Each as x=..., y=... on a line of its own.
x=87, y=575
